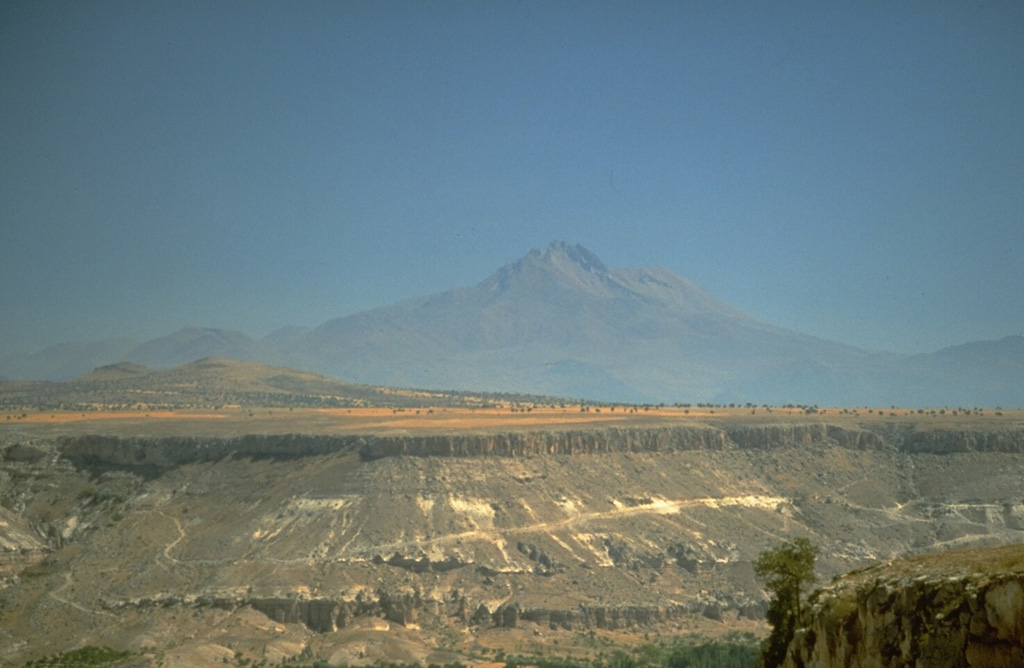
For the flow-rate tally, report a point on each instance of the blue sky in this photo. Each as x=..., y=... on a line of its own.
x=850, y=170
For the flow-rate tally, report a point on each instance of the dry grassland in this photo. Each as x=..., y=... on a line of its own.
x=235, y=420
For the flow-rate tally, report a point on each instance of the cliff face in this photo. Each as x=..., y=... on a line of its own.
x=957, y=610
x=329, y=614
x=163, y=453
x=950, y=440
x=568, y=442
x=167, y=452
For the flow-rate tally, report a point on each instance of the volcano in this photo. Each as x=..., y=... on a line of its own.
x=560, y=322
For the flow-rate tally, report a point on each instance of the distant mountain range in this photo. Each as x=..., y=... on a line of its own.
x=559, y=322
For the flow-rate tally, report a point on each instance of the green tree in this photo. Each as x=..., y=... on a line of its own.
x=785, y=569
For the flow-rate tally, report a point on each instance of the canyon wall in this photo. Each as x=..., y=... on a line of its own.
x=167, y=452
x=554, y=531
x=328, y=614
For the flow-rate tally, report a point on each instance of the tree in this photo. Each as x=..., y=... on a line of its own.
x=785, y=570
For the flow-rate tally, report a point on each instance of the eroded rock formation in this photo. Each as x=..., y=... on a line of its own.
x=963, y=609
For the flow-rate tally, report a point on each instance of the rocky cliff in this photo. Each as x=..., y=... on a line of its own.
x=960, y=609
x=167, y=452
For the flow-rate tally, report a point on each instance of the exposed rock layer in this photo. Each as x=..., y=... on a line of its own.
x=168, y=452
x=934, y=617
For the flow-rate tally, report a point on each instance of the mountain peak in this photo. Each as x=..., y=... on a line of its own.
x=559, y=264
x=572, y=269
x=561, y=253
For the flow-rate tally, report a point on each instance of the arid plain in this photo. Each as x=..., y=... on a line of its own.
x=233, y=420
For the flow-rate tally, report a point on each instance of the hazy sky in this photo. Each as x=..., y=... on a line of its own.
x=850, y=170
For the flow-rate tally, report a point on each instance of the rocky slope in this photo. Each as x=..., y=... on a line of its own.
x=458, y=543
x=960, y=609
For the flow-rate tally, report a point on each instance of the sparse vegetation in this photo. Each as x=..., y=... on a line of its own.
x=785, y=570
x=380, y=664
x=84, y=657
x=735, y=650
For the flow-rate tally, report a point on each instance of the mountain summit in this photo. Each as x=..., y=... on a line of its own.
x=576, y=269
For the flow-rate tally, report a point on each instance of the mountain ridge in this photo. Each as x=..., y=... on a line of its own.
x=558, y=321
